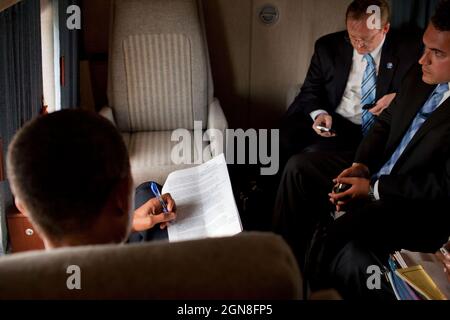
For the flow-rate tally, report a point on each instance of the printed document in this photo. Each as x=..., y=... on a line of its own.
x=205, y=203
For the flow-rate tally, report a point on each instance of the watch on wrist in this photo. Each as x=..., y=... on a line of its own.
x=371, y=193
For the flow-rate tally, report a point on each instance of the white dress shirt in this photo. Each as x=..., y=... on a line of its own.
x=350, y=106
x=376, y=193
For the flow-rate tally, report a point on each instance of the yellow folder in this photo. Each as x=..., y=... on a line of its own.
x=419, y=279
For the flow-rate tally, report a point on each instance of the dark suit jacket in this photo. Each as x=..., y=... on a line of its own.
x=423, y=170
x=331, y=64
x=413, y=212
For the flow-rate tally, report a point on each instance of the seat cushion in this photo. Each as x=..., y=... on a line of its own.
x=150, y=155
x=159, y=74
x=159, y=85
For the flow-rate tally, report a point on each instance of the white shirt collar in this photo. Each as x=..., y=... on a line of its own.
x=376, y=53
x=448, y=91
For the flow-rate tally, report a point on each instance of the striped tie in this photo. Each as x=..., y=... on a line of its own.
x=421, y=117
x=368, y=93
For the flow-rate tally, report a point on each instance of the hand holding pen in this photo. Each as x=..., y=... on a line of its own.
x=165, y=208
x=159, y=210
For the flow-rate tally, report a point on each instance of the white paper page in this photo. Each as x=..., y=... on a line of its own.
x=205, y=202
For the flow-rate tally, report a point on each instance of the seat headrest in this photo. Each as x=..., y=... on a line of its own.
x=248, y=266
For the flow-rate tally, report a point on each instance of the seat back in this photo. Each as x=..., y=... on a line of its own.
x=248, y=266
x=159, y=72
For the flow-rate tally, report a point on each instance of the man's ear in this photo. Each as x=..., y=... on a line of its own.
x=386, y=28
x=122, y=196
x=120, y=206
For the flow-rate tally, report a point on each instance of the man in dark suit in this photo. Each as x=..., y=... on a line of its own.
x=399, y=195
x=361, y=66
x=332, y=95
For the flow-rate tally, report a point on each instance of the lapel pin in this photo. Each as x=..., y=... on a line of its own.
x=390, y=65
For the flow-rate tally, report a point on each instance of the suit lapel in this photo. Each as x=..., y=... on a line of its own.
x=442, y=114
x=388, y=65
x=407, y=114
x=343, y=64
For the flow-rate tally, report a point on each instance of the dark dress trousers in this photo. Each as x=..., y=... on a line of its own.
x=311, y=162
x=413, y=210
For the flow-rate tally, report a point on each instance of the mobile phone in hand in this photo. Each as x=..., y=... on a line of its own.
x=325, y=129
x=341, y=187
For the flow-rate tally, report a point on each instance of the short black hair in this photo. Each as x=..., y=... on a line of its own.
x=441, y=18
x=358, y=9
x=64, y=166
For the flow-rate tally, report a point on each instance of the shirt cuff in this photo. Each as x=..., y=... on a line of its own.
x=376, y=194
x=314, y=114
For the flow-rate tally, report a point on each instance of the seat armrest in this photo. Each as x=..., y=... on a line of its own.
x=216, y=130
x=216, y=117
x=292, y=93
x=107, y=113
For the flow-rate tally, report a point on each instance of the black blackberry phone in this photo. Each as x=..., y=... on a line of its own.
x=341, y=187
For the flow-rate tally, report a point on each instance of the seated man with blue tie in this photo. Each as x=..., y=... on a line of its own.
x=399, y=184
x=363, y=66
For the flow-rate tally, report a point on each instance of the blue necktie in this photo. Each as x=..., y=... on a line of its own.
x=428, y=108
x=368, y=93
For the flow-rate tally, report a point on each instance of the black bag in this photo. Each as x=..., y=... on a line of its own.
x=315, y=270
x=255, y=207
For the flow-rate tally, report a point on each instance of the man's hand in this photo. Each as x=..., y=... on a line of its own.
x=445, y=261
x=382, y=104
x=151, y=214
x=357, y=170
x=324, y=120
x=360, y=188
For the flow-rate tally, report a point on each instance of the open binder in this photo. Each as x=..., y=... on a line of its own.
x=418, y=276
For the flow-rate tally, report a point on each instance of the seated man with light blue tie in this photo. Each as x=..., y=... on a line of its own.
x=399, y=195
x=362, y=66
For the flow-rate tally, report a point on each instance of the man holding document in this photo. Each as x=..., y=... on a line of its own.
x=94, y=207
x=205, y=204
x=70, y=174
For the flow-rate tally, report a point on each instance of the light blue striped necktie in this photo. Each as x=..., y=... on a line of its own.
x=424, y=113
x=368, y=93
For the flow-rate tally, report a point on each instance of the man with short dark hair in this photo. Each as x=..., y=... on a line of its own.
x=361, y=66
x=70, y=174
x=399, y=184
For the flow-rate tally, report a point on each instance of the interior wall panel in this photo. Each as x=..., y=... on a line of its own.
x=253, y=65
x=275, y=60
x=228, y=25
x=281, y=53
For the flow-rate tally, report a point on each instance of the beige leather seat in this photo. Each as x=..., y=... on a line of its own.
x=160, y=80
x=248, y=266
